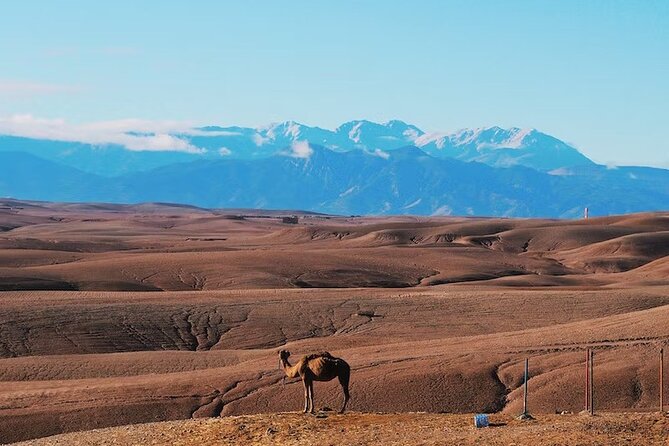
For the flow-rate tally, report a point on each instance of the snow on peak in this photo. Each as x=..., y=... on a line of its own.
x=288, y=129
x=517, y=137
x=480, y=138
x=354, y=133
x=374, y=135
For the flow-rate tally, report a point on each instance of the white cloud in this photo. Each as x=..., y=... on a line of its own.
x=411, y=134
x=413, y=204
x=442, y=210
x=224, y=151
x=119, y=51
x=77, y=51
x=200, y=132
x=9, y=87
x=381, y=154
x=133, y=134
x=378, y=152
x=259, y=140
x=157, y=142
x=300, y=149
x=61, y=51
x=349, y=191
x=561, y=172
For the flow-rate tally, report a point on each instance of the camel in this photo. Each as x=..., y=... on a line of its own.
x=317, y=367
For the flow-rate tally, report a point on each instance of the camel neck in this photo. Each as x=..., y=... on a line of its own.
x=290, y=371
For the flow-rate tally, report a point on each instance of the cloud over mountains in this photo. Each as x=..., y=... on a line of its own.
x=132, y=134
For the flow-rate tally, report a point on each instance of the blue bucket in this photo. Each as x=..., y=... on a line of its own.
x=481, y=420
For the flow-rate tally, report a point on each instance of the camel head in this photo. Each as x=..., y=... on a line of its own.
x=284, y=354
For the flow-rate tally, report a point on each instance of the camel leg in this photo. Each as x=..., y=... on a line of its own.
x=311, y=397
x=343, y=380
x=306, y=395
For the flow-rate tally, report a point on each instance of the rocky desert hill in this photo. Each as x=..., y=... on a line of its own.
x=123, y=314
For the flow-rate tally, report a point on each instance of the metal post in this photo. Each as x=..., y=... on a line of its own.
x=526, y=415
x=661, y=380
x=592, y=379
x=526, y=378
x=587, y=380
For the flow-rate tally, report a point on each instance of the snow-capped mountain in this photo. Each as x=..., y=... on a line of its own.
x=493, y=146
x=269, y=139
x=372, y=136
x=361, y=167
x=500, y=147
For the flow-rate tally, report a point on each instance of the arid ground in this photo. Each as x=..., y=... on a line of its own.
x=115, y=315
x=388, y=429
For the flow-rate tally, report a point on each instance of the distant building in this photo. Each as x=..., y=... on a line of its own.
x=292, y=220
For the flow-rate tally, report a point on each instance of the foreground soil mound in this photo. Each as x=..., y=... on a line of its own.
x=382, y=429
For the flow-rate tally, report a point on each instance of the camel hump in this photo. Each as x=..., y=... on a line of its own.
x=318, y=355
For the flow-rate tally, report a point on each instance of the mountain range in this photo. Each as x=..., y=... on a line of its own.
x=359, y=168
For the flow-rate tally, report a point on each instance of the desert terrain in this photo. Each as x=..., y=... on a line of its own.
x=389, y=429
x=121, y=314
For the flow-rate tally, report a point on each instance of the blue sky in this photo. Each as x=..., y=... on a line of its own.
x=593, y=73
